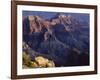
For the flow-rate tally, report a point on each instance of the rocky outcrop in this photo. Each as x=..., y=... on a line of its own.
x=33, y=59
x=63, y=39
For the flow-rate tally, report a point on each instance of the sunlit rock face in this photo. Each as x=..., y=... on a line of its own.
x=63, y=41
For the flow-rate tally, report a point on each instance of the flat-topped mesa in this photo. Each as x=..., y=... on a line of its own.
x=35, y=23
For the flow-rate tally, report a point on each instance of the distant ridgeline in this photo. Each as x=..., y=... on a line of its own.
x=63, y=39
